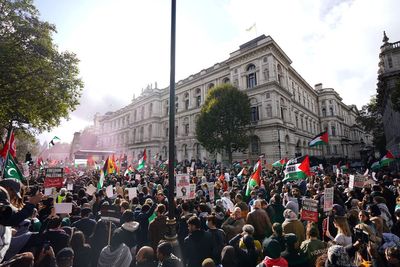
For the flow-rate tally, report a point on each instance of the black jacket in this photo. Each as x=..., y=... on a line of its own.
x=58, y=239
x=86, y=225
x=197, y=247
x=143, y=220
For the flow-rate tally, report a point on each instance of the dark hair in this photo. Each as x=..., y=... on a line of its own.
x=77, y=241
x=185, y=206
x=228, y=257
x=160, y=208
x=194, y=220
x=165, y=248
x=277, y=228
x=239, y=196
x=127, y=216
x=374, y=210
x=85, y=212
x=212, y=219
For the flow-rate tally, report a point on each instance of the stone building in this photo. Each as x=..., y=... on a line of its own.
x=286, y=111
x=388, y=79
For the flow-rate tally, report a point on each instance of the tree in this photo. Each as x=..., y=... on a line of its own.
x=371, y=119
x=224, y=120
x=38, y=84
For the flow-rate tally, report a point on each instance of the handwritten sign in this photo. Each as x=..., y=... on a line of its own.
x=132, y=193
x=63, y=208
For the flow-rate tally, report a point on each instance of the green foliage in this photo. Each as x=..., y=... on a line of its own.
x=26, y=142
x=38, y=84
x=224, y=120
x=370, y=118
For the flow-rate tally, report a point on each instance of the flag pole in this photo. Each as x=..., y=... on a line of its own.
x=8, y=149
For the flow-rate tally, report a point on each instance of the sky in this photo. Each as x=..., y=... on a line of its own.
x=123, y=45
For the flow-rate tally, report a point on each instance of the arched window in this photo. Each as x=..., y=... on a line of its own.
x=333, y=130
x=331, y=111
x=297, y=121
x=184, y=151
x=186, y=101
x=198, y=97
x=226, y=80
x=176, y=104
x=323, y=112
x=298, y=149
x=280, y=75
x=251, y=76
x=211, y=85
x=166, y=106
x=186, y=126
x=255, y=145
x=197, y=152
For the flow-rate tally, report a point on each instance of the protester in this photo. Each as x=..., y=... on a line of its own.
x=165, y=256
x=260, y=220
x=82, y=251
x=145, y=257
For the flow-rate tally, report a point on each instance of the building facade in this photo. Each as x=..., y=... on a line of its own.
x=286, y=112
x=388, y=79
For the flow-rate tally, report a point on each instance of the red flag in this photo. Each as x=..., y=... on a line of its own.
x=9, y=146
x=257, y=173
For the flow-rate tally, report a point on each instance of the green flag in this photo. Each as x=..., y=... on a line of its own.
x=11, y=169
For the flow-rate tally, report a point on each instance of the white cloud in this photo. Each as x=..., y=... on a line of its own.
x=124, y=45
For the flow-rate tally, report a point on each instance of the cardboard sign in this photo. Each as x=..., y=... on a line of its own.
x=192, y=166
x=199, y=173
x=351, y=181
x=137, y=177
x=132, y=192
x=211, y=191
x=91, y=189
x=309, y=211
x=328, y=199
x=63, y=208
x=182, y=186
x=54, y=177
x=359, y=181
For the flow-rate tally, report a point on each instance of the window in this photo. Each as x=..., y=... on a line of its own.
x=390, y=61
x=151, y=109
x=297, y=121
x=267, y=95
x=176, y=104
x=333, y=129
x=323, y=112
x=334, y=149
x=280, y=75
x=150, y=131
x=266, y=74
x=197, y=150
x=142, y=113
x=186, y=101
x=164, y=149
x=254, y=114
x=255, y=145
x=187, y=129
x=134, y=135
x=211, y=85
x=141, y=134
x=184, y=150
x=302, y=123
x=166, y=108
x=226, y=80
x=269, y=111
x=176, y=130
x=251, y=76
x=166, y=132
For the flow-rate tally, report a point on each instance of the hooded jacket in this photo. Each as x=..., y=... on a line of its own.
x=157, y=230
x=197, y=247
x=120, y=257
x=129, y=232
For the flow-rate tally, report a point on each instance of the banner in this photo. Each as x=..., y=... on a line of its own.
x=54, y=177
x=328, y=199
x=192, y=192
x=309, y=211
x=359, y=181
x=182, y=186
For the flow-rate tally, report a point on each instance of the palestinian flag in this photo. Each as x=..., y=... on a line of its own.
x=108, y=168
x=142, y=160
x=375, y=166
x=241, y=173
x=9, y=147
x=53, y=141
x=345, y=167
x=11, y=169
x=297, y=169
x=114, y=164
x=321, y=139
x=128, y=171
x=280, y=163
x=255, y=178
x=387, y=159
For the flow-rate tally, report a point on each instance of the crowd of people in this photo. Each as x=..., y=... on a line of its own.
x=232, y=229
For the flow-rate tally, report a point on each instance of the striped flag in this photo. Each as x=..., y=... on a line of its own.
x=321, y=139
x=387, y=159
x=255, y=178
x=297, y=169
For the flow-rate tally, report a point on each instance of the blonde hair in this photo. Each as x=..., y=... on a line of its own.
x=342, y=225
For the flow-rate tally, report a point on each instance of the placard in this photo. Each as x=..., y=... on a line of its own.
x=192, y=166
x=132, y=192
x=109, y=191
x=70, y=187
x=359, y=181
x=63, y=208
x=351, y=181
x=199, y=173
x=188, y=170
x=182, y=186
x=227, y=177
x=192, y=193
x=328, y=199
x=49, y=191
x=137, y=176
x=54, y=177
x=210, y=187
x=90, y=189
x=309, y=211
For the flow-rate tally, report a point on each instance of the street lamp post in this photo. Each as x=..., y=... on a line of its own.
x=279, y=144
x=171, y=221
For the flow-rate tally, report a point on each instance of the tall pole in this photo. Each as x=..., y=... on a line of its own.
x=279, y=144
x=171, y=235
